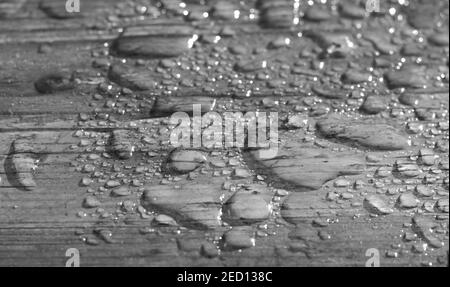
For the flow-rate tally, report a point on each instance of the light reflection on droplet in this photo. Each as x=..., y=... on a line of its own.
x=392, y=11
x=236, y=14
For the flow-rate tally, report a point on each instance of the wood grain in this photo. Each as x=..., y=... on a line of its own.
x=37, y=226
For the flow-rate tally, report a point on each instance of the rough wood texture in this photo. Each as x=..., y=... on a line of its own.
x=85, y=159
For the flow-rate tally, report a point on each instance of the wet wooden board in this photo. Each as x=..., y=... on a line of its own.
x=41, y=224
x=38, y=226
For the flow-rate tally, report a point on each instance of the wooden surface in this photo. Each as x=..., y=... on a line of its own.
x=38, y=225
